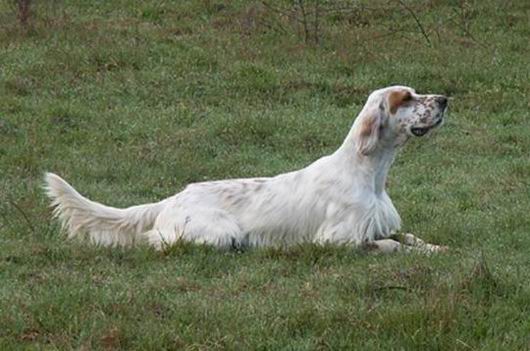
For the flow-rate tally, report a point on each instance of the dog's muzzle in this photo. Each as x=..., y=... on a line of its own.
x=421, y=131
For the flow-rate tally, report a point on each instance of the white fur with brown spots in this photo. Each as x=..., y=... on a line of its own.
x=339, y=199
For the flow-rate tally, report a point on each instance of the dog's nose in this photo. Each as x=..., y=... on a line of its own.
x=442, y=101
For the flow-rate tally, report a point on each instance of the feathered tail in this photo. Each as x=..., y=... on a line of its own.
x=101, y=224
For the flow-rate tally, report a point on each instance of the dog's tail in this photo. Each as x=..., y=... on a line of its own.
x=101, y=224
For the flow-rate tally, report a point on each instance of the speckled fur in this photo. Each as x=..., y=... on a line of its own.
x=339, y=198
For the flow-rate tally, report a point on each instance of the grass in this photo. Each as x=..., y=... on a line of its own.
x=130, y=101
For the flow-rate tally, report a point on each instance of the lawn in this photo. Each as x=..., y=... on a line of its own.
x=129, y=101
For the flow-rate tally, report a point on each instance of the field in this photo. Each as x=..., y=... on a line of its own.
x=129, y=101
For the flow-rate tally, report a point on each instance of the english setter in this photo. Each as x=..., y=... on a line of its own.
x=339, y=199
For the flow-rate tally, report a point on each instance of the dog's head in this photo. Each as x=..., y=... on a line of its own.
x=392, y=115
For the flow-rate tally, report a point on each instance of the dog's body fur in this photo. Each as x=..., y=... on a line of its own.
x=339, y=198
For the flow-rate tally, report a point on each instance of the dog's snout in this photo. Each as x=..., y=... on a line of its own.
x=442, y=101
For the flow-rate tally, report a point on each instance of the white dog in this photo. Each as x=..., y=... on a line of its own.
x=339, y=199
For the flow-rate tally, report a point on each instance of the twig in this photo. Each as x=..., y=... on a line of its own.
x=317, y=22
x=304, y=20
x=281, y=12
x=463, y=344
x=24, y=11
x=466, y=31
x=26, y=218
x=273, y=26
x=391, y=287
x=5, y=222
x=417, y=22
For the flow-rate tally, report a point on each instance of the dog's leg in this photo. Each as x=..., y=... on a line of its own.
x=201, y=225
x=413, y=241
x=385, y=246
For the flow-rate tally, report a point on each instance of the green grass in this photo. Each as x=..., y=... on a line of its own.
x=130, y=101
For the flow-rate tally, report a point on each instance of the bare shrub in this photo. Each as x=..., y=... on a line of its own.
x=305, y=15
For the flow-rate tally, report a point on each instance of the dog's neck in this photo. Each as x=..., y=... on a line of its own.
x=370, y=170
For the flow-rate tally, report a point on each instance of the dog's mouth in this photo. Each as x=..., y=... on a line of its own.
x=421, y=131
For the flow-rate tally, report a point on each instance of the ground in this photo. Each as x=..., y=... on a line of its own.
x=130, y=101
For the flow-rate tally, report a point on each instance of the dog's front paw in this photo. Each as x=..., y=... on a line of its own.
x=431, y=248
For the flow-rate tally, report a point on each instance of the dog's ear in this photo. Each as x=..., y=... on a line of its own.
x=397, y=98
x=369, y=130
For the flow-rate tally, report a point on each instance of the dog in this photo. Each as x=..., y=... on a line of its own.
x=338, y=199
